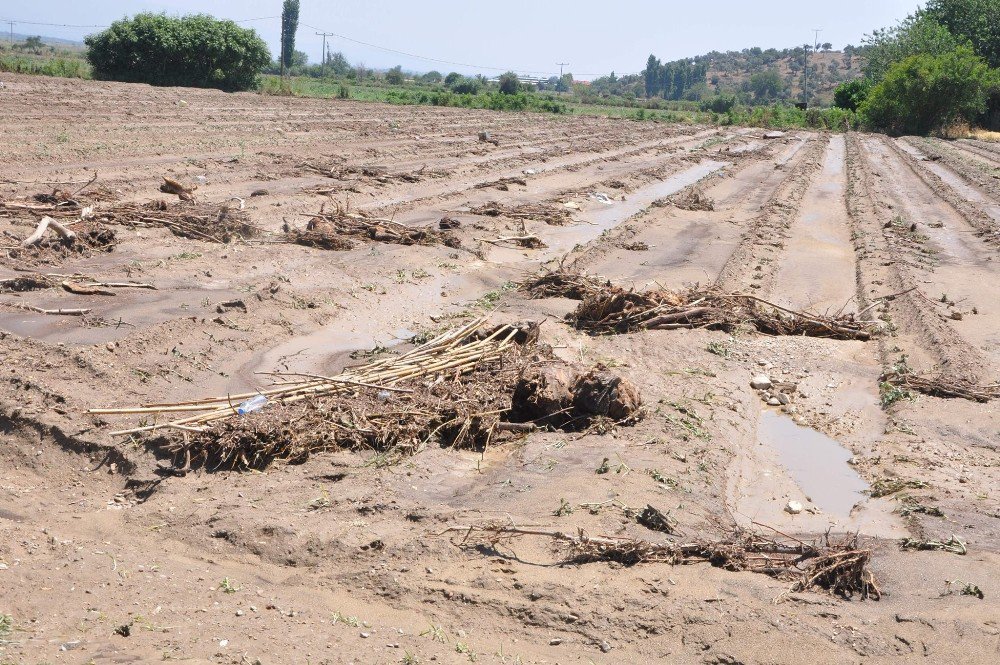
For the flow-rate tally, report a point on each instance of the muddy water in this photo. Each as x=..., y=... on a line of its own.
x=793, y=463
x=818, y=271
x=817, y=464
x=597, y=221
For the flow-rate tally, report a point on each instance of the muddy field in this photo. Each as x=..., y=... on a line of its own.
x=326, y=236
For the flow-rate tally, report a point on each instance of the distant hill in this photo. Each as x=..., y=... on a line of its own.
x=754, y=74
x=50, y=41
x=730, y=72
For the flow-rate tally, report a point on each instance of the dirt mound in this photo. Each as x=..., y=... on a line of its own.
x=693, y=199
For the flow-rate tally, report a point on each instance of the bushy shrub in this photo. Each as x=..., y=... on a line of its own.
x=510, y=84
x=719, y=104
x=196, y=50
x=924, y=93
x=465, y=86
x=851, y=94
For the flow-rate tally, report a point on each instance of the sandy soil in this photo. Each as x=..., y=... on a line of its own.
x=343, y=559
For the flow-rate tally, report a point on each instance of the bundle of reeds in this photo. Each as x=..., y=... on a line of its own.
x=451, y=354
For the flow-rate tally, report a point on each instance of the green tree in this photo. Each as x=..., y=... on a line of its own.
x=977, y=21
x=767, y=86
x=196, y=50
x=652, y=76
x=433, y=77
x=509, y=83
x=395, y=76
x=338, y=64
x=451, y=79
x=917, y=34
x=851, y=94
x=924, y=93
x=564, y=83
x=289, y=26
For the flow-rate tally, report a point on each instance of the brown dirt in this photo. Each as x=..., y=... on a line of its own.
x=347, y=556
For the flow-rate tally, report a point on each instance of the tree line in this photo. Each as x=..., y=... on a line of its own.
x=938, y=67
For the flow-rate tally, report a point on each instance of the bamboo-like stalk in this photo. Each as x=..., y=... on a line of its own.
x=450, y=352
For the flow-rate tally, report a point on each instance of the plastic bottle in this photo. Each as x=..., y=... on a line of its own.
x=255, y=403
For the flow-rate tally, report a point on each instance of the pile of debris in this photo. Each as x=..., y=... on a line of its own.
x=942, y=386
x=563, y=283
x=221, y=223
x=542, y=212
x=693, y=198
x=839, y=567
x=368, y=173
x=607, y=309
x=462, y=389
x=333, y=230
x=53, y=239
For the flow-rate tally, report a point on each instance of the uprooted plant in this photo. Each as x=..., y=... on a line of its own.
x=839, y=567
x=336, y=228
x=463, y=389
x=608, y=309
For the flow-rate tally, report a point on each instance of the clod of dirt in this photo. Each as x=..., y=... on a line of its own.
x=560, y=397
x=259, y=192
x=449, y=224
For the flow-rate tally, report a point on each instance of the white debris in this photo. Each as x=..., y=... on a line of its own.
x=793, y=507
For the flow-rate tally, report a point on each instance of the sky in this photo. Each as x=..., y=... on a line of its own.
x=528, y=36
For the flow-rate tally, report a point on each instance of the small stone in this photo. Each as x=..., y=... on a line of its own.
x=956, y=316
x=554, y=642
x=223, y=643
x=366, y=635
x=774, y=401
x=605, y=646
x=239, y=613
x=761, y=382
x=793, y=508
x=783, y=398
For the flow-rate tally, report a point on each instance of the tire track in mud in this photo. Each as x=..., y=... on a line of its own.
x=952, y=266
x=919, y=332
x=692, y=246
x=753, y=263
x=954, y=188
x=817, y=267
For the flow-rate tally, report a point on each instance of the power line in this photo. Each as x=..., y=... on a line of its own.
x=72, y=25
x=422, y=57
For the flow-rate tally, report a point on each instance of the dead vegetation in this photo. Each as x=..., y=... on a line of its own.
x=334, y=230
x=839, y=567
x=462, y=389
x=608, y=309
x=693, y=198
x=353, y=175
x=540, y=212
x=942, y=385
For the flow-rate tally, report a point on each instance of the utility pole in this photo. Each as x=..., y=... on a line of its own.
x=324, y=35
x=805, y=73
x=11, y=34
x=561, y=65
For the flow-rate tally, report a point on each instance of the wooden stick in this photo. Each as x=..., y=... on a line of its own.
x=39, y=232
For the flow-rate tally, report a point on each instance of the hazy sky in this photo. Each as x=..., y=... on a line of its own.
x=527, y=36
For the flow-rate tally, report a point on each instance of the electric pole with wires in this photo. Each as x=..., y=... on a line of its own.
x=324, y=35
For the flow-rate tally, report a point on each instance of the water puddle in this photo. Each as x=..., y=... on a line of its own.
x=791, y=463
x=560, y=239
x=817, y=464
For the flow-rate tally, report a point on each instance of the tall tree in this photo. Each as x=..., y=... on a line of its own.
x=289, y=26
x=652, y=75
